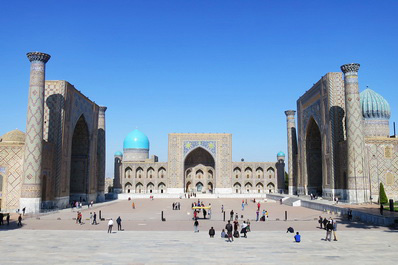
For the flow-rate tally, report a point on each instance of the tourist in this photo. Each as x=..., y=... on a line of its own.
x=209, y=213
x=228, y=227
x=381, y=209
x=77, y=217
x=337, y=200
x=119, y=223
x=334, y=230
x=246, y=202
x=223, y=235
x=173, y=206
x=8, y=219
x=212, y=232
x=243, y=229
x=196, y=226
x=110, y=225
x=297, y=238
x=222, y=208
x=248, y=225
x=195, y=215
x=23, y=210
x=133, y=205
x=236, y=225
x=257, y=215
x=290, y=230
x=19, y=221
x=243, y=205
x=329, y=229
x=94, y=219
x=204, y=213
x=325, y=222
x=349, y=215
x=236, y=216
x=258, y=206
x=231, y=215
x=91, y=217
x=320, y=221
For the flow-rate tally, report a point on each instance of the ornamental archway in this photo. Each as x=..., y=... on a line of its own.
x=199, y=166
x=314, y=158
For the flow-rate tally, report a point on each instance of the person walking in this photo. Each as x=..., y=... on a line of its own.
x=258, y=206
x=243, y=229
x=212, y=232
x=91, y=217
x=231, y=215
x=243, y=205
x=94, y=219
x=110, y=225
x=119, y=223
x=19, y=221
x=228, y=227
x=196, y=226
x=257, y=215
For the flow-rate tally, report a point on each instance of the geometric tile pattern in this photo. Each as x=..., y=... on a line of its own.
x=11, y=159
x=34, y=132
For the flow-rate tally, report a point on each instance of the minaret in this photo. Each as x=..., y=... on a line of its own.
x=117, y=184
x=356, y=181
x=31, y=180
x=291, y=125
x=101, y=153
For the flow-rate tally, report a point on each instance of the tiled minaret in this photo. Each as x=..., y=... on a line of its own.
x=357, y=190
x=117, y=185
x=291, y=125
x=31, y=185
x=101, y=153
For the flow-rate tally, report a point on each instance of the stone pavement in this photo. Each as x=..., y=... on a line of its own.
x=183, y=247
x=55, y=238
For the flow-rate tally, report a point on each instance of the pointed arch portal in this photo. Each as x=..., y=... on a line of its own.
x=196, y=157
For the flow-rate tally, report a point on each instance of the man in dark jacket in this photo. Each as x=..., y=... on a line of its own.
x=229, y=227
x=212, y=232
x=119, y=223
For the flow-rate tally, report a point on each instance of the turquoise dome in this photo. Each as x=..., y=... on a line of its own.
x=137, y=140
x=374, y=106
x=118, y=153
x=281, y=154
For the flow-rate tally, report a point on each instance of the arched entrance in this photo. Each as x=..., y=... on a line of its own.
x=199, y=166
x=79, y=161
x=314, y=158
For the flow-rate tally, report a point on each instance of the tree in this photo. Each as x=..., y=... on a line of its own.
x=382, y=195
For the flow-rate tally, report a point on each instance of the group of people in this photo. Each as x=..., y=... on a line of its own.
x=197, y=211
x=233, y=230
x=176, y=206
x=119, y=225
x=330, y=226
x=297, y=236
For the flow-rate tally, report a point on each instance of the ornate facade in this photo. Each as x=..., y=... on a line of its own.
x=343, y=148
x=200, y=163
x=62, y=155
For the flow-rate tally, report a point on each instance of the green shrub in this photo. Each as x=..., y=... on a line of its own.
x=382, y=195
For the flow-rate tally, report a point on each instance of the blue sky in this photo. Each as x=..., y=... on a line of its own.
x=196, y=66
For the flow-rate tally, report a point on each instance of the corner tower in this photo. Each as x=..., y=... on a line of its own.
x=291, y=136
x=31, y=179
x=357, y=191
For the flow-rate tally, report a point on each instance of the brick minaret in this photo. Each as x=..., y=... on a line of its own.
x=101, y=153
x=31, y=180
x=357, y=190
x=291, y=125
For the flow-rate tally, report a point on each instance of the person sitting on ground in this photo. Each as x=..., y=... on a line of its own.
x=290, y=230
x=223, y=234
x=212, y=232
x=297, y=238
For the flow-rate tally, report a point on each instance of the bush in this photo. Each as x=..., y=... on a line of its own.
x=382, y=195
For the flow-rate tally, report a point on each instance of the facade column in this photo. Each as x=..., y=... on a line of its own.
x=357, y=190
x=291, y=126
x=101, y=148
x=32, y=167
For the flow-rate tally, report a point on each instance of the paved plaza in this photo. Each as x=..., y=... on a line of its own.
x=55, y=238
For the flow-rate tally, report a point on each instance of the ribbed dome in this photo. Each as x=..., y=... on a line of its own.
x=137, y=140
x=281, y=154
x=118, y=153
x=374, y=106
x=14, y=136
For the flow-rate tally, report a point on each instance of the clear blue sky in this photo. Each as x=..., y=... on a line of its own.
x=196, y=66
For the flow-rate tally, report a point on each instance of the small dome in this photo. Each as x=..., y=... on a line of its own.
x=118, y=153
x=374, y=106
x=136, y=140
x=281, y=154
x=15, y=136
